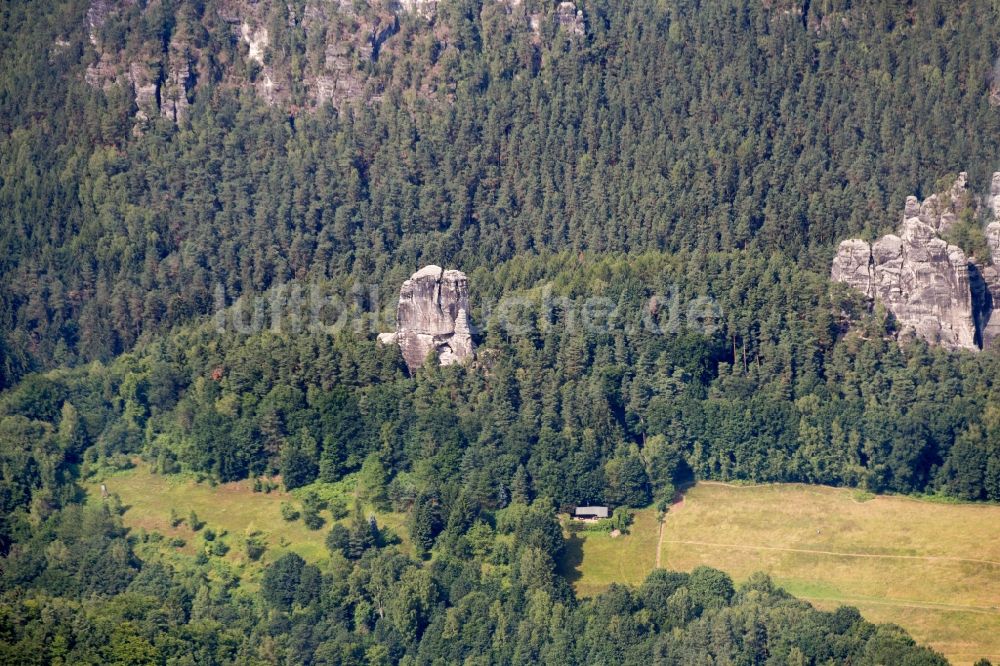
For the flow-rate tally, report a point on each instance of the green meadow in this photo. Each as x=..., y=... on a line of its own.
x=932, y=568
x=231, y=510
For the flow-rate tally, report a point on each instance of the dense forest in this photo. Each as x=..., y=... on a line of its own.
x=706, y=152
x=689, y=125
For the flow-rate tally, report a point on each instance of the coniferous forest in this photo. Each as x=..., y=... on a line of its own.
x=595, y=186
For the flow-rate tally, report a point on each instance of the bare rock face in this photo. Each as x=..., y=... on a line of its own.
x=569, y=18
x=985, y=283
x=990, y=274
x=144, y=85
x=433, y=314
x=993, y=200
x=854, y=265
x=179, y=79
x=98, y=13
x=342, y=38
x=933, y=290
x=941, y=211
x=424, y=8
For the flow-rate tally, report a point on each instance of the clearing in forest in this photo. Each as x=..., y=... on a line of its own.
x=932, y=568
x=231, y=510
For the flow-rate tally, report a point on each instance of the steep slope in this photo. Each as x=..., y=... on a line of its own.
x=298, y=56
x=477, y=132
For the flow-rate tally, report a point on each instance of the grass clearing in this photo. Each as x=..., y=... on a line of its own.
x=930, y=567
x=594, y=560
x=231, y=507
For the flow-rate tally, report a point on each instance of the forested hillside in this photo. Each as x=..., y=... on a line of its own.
x=563, y=416
x=618, y=412
x=645, y=197
x=666, y=126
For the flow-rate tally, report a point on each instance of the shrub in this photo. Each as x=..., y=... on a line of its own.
x=311, y=506
x=338, y=540
x=338, y=509
x=621, y=519
x=289, y=512
x=255, y=546
x=313, y=520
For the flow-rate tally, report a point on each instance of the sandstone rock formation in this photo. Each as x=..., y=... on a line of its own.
x=341, y=38
x=97, y=15
x=934, y=291
x=990, y=273
x=817, y=17
x=569, y=18
x=144, y=88
x=425, y=8
x=433, y=313
x=993, y=200
x=178, y=75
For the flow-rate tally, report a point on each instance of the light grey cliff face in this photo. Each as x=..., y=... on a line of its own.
x=425, y=8
x=178, y=80
x=144, y=87
x=993, y=200
x=990, y=273
x=935, y=292
x=854, y=265
x=433, y=314
x=569, y=18
x=342, y=38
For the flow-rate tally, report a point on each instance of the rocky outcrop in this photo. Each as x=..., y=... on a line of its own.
x=98, y=13
x=994, y=96
x=993, y=200
x=813, y=16
x=337, y=42
x=934, y=291
x=433, y=314
x=145, y=89
x=570, y=19
x=340, y=36
x=178, y=81
x=984, y=281
x=425, y=8
x=990, y=274
x=266, y=82
x=160, y=79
